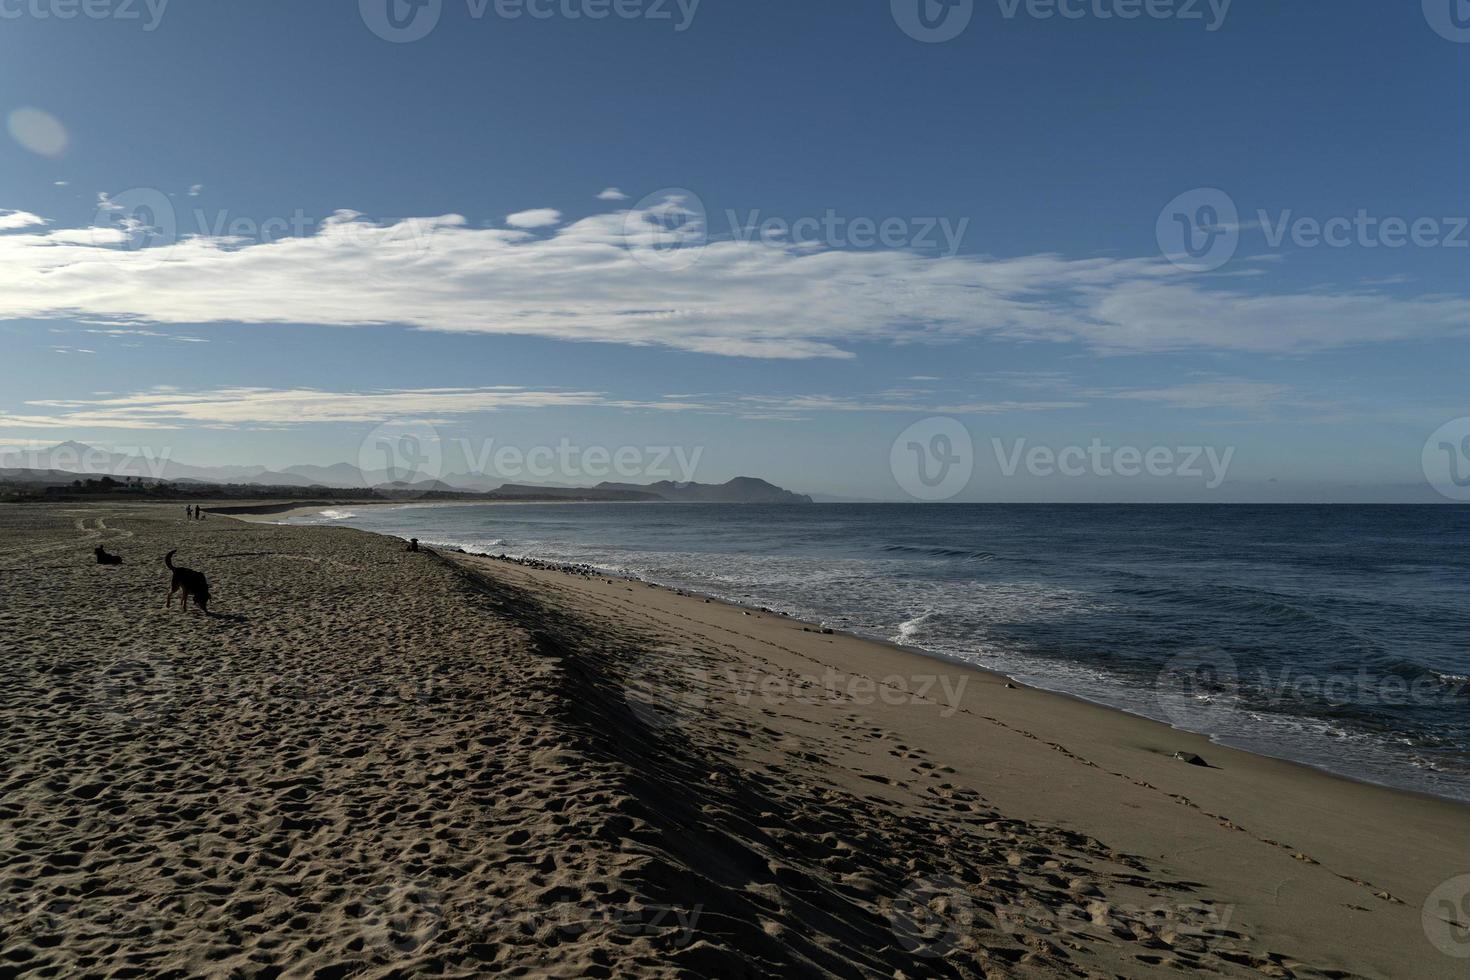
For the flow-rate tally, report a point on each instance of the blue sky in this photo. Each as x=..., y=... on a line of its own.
x=361, y=232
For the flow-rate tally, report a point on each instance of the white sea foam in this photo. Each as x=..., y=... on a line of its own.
x=909, y=629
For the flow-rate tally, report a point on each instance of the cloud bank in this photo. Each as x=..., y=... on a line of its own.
x=627, y=277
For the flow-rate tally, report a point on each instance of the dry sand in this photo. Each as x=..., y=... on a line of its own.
x=377, y=763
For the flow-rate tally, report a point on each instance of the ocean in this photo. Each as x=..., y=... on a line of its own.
x=1335, y=636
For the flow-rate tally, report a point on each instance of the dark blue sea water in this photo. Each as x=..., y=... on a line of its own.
x=1334, y=636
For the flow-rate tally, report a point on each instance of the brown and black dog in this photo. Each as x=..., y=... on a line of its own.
x=188, y=581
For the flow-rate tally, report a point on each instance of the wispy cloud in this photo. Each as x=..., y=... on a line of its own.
x=603, y=279
x=1033, y=380
x=1232, y=393
x=612, y=194
x=111, y=331
x=166, y=407
x=900, y=402
x=161, y=408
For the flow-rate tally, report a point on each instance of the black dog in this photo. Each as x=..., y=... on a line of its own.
x=103, y=558
x=190, y=583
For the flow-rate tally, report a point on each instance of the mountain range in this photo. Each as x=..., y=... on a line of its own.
x=69, y=460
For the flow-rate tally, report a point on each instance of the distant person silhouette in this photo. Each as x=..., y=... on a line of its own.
x=189, y=510
x=413, y=544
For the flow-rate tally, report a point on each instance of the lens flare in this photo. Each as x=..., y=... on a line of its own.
x=37, y=131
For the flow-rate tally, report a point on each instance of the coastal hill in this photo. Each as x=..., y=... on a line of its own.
x=73, y=467
x=741, y=490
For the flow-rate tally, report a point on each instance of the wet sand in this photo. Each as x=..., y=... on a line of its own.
x=373, y=763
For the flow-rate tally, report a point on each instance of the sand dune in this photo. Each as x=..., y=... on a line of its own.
x=376, y=763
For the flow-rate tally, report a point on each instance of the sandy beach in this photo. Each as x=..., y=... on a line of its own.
x=371, y=762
